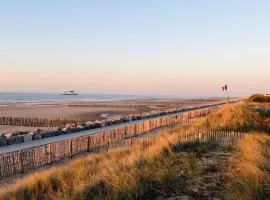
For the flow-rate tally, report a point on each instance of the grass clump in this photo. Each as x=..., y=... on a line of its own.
x=237, y=118
x=118, y=174
x=259, y=98
x=250, y=176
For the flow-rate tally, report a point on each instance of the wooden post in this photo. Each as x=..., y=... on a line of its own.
x=21, y=162
x=88, y=143
x=70, y=147
x=49, y=151
x=107, y=146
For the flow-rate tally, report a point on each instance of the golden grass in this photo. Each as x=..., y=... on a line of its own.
x=127, y=173
x=250, y=176
x=112, y=175
x=236, y=117
x=263, y=105
x=260, y=98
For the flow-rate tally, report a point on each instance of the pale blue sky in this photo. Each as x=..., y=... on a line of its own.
x=158, y=47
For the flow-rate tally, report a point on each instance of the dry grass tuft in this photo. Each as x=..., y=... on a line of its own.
x=259, y=98
x=250, y=178
x=114, y=175
x=236, y=118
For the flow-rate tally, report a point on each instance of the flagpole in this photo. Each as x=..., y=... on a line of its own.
x=227, y=96
x=225, y=89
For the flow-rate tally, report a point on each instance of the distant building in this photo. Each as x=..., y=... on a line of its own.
x=267, y=95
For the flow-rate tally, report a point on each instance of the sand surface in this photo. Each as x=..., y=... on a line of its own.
x=47, y=111
x=93, y=110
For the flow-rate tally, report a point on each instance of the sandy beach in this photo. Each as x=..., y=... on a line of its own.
x=90, y=111
x=60, y=110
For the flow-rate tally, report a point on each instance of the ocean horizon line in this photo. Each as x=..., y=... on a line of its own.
x=47, y=98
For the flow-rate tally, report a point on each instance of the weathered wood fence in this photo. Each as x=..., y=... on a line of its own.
x=109, y=106
x=202, y=136
x=32, y=158
x=37, y=122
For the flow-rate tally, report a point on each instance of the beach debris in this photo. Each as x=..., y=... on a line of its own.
x=3, y=140
x=27, y=137
x=14, y=139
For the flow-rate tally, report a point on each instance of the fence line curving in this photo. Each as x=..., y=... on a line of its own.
x=25, y=160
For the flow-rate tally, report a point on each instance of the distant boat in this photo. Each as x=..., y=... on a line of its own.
x=71, y=92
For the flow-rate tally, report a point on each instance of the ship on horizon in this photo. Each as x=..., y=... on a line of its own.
x=71, y=92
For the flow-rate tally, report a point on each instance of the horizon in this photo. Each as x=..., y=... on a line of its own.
x=127, y=95
x=135, y=48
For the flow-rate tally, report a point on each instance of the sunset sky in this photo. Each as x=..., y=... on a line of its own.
x=178, y=47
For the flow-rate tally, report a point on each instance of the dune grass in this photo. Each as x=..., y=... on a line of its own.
x=250, y=176
x=238, y=117
x=133, y=173
x=259, y=98
x=114, y=175
x=119, y=174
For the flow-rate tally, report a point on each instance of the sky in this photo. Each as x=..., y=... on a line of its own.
x=172, y=47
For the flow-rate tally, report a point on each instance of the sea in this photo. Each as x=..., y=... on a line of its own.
x=46, y=98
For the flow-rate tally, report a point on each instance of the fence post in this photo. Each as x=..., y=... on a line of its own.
x=70, y=147
x=49, y=150
x=21, y=162
x=88, y=143
x=107, y=146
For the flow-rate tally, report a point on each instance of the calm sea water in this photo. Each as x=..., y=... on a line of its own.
x=33, y=98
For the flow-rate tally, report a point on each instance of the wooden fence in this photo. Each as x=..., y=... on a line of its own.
x=140, y=107
x=32, y=158
x=202, y=136
x=38, y=122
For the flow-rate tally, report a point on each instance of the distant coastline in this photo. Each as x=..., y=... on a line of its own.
x=53, y=98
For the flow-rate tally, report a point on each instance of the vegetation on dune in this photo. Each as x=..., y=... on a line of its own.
x=250, y=176
x=259, y=98
x=237, y=117
x=119, y=174
x=261, y=105
x=137, y=172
